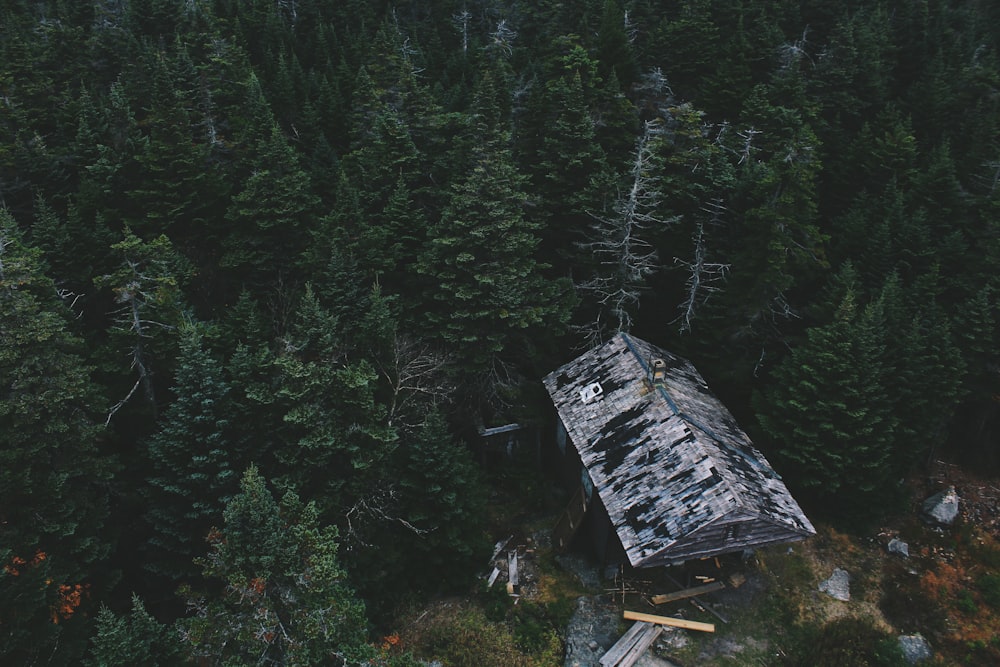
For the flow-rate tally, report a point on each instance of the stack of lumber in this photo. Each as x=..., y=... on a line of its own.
x=632, y=645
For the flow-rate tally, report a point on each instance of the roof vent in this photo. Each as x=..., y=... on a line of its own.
x=658, y=371
x=591, y=392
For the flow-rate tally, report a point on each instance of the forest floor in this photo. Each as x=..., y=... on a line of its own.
x=565, y=611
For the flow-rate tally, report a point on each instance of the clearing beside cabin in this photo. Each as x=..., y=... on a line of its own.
x=766, y=609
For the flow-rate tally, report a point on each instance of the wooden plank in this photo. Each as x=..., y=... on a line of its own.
x=493, y=577
x=702, y=603
x=499, y=546
x=641, y=645
x=632, y=645
x=688, y=593
x=624, y=643
x=669, y=620
x=512, y=567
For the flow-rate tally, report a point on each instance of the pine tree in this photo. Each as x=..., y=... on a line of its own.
x=443, y=496
x=192, y=461
x=149, y=308
x=920, y=353
x=334, y=438
x=828, y=415
x=480, y=258
x=270, y=218
x=283, y=597
x=54, y=475
x=615, y=54
x=133, y=639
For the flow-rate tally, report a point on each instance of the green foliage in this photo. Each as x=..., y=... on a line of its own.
x=845, y=641
x=465, y=636
x=828, y=415
x=283, y=596
x=429, y=174
x=989, y=587
x=192, y=460
x=436, y=543
x=269, y=217
x=54, y=467
x=134, y=639
x=965, y=602
x=487, y=285
x=149, y=308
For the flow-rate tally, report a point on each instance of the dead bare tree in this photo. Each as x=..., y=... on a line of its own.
x=792, y=52
x=748, y=135
x=461, y=20
x=503, y=37
x=374, y=507
x=132, y=296
x=631, y=31
x=702, y=274
x=415, y=372
x=620, y=244
x=145, y=289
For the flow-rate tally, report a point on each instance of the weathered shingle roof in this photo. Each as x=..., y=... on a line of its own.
x=667, y=460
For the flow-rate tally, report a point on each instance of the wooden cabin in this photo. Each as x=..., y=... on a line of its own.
x=665, y=472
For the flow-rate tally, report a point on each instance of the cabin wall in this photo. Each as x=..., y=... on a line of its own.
x=596, y=536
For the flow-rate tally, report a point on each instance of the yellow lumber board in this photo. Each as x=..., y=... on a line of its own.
x=668, y=620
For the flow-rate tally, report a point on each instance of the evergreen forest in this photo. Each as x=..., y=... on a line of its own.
x=267, y=267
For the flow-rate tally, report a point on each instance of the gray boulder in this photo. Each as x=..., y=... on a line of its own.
x=838, y=586
x=898, y=546
x=942, y=508
x=915, y=648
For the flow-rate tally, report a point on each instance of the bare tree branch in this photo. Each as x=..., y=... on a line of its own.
x=417, y=370
x=374, y=507
x=628, y=258
x=461, y=20
x=503, y=37
x=701, y=273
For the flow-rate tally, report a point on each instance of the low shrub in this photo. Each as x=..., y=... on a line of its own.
x=989, y=586
x=965, y=602
x=845, y=642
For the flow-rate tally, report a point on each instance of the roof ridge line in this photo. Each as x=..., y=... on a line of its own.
x=737, y=497
x=687, y=419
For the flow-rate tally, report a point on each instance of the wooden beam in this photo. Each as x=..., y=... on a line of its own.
x=669, y=620
x=512, y=567
x=624, y=643
x=702, y=602
x=493, y=577
x=688, y=593
x=632, y=645
x=641, y=645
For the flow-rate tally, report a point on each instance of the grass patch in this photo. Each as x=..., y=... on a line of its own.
x=460, y=635
x=989, y=586
x=965, y=603
x=844, y=642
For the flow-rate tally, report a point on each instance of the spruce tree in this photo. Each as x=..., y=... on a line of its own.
x=192, y=461
x=54, y=476
x=270, y=218
x=480, y=258
x=282, y=596
x=828, y=416
x=132, y=639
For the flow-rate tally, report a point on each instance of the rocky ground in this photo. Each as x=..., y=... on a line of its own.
x=897, y=579
x=932, y=590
